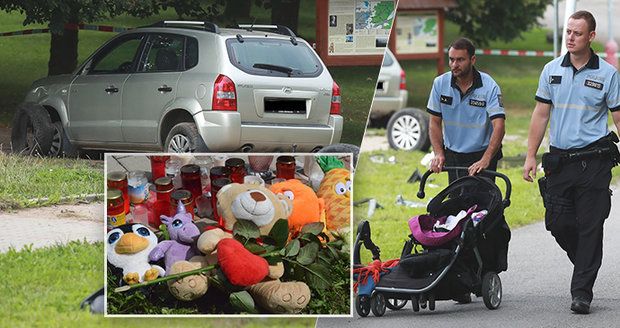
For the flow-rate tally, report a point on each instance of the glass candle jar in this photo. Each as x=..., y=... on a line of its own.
x=173, y=170
x=185, y=196
x=217, y=172
x=190, y=176
x=118, y=180
x=115, y=208
x=237, y=169
x=163, y=190
x=158, y=166
x=137, y=187
x=285, y=167
x=216, y=185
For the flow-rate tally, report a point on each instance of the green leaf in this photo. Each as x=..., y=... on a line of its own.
x=164, y=232
x=243, y=301
x=318, y=276
x=273, y=259
x=314, y=228
x=310, y=238
x=333, y=251
x=307, y=254
x=292, y=249
x=254, y=248
x=246, y=228
x=279, y=232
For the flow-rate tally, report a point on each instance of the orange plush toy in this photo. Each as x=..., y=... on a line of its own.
x=307, y=207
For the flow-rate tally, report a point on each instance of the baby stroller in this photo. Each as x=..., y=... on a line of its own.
x=441, y=264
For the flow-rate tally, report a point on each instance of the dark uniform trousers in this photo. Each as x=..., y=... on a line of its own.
x=467, y=159
x=580, y=202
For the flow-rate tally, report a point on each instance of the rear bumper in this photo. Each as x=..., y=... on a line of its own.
x=224, y=131
x=384, y=105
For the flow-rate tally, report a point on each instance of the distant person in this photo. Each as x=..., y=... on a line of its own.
x=574, y=93
x=469, y=105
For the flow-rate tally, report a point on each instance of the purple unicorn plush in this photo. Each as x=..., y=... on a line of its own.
x=182, y=244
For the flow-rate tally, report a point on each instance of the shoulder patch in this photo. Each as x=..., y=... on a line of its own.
x=445, y=100
x=500, y=100
x=477, y=103
x=593, y=84
x=555, y=79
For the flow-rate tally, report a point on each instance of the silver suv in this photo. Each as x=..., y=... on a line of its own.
x=407, y=128
x=183, y=86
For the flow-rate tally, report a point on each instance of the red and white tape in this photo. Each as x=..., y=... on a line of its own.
x=101, y=28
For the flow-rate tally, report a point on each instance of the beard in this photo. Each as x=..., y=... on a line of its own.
x=462, y=72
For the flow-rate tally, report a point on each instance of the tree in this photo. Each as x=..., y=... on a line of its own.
x=285, y=12
x=63, y=16
x=487, y=20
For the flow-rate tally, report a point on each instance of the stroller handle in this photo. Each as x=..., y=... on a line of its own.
x=506, y=200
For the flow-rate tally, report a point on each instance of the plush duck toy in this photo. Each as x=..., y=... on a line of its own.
x=128, y=248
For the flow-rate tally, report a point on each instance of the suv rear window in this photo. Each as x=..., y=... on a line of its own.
x=387, y=59
x=274, y=56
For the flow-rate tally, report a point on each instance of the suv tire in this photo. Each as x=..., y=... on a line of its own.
x=32, y=130
x=184, y=138
x=408, y=130
x=61, y=146
x=342, y=148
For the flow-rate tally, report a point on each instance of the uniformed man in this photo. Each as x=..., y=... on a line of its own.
x=575, y=91
x=469, y=105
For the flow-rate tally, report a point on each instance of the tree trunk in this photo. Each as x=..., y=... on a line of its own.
x=63, y=52
x=238, y=11
x=285, y=12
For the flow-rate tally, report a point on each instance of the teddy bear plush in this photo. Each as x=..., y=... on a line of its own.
x=263, y=207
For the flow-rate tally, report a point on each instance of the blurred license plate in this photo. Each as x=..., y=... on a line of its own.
x=285, y=106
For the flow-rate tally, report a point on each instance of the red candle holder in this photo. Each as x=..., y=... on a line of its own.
x=116, y=208
x=118, y=180
x=237, y=169
x=158, y=166
x=185, y=196
x=216, y=185
x=190, y=176
x=285, y=167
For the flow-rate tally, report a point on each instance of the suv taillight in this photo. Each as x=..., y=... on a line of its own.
x=224, y=94
x=335, y=106
x=403, y=80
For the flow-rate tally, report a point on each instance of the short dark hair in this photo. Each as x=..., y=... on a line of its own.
x=464, y=43
x=587, y=16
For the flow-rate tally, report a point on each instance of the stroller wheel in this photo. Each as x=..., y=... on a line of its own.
x=362, y=305
x=395, y=304
x=415, y=304
x=491, y=290
x=377, y=304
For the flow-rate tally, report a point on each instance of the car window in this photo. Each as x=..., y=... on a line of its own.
x=118, y=58
x=276, y=57
x=387, y=59
x=164, y=53
x=191, y=53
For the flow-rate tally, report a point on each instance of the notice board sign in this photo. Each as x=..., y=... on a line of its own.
x=354, y=32
x=417, y=32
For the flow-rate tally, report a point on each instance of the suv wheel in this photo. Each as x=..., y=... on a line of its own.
x=61, y=146
x=408, y=130
x=32, y=131
x=184, y=138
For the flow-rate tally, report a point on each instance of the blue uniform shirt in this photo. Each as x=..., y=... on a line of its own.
x=466, y=117
x=579, y=100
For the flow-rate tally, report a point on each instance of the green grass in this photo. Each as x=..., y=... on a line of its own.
x=44, y=287
x=24, y=178
x=357, y=87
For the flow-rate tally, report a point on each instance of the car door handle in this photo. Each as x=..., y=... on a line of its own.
x=111, y=89
x=164, y=88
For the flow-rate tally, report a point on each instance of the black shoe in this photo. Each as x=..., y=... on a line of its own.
x=580, y=305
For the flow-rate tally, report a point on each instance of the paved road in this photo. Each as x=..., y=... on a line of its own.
x=47, y=226
x=536, y=289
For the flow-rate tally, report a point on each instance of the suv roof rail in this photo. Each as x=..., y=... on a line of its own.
x=280, y=29
x=208, y=26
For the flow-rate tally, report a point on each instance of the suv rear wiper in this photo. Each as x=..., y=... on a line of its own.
x=282, y=69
